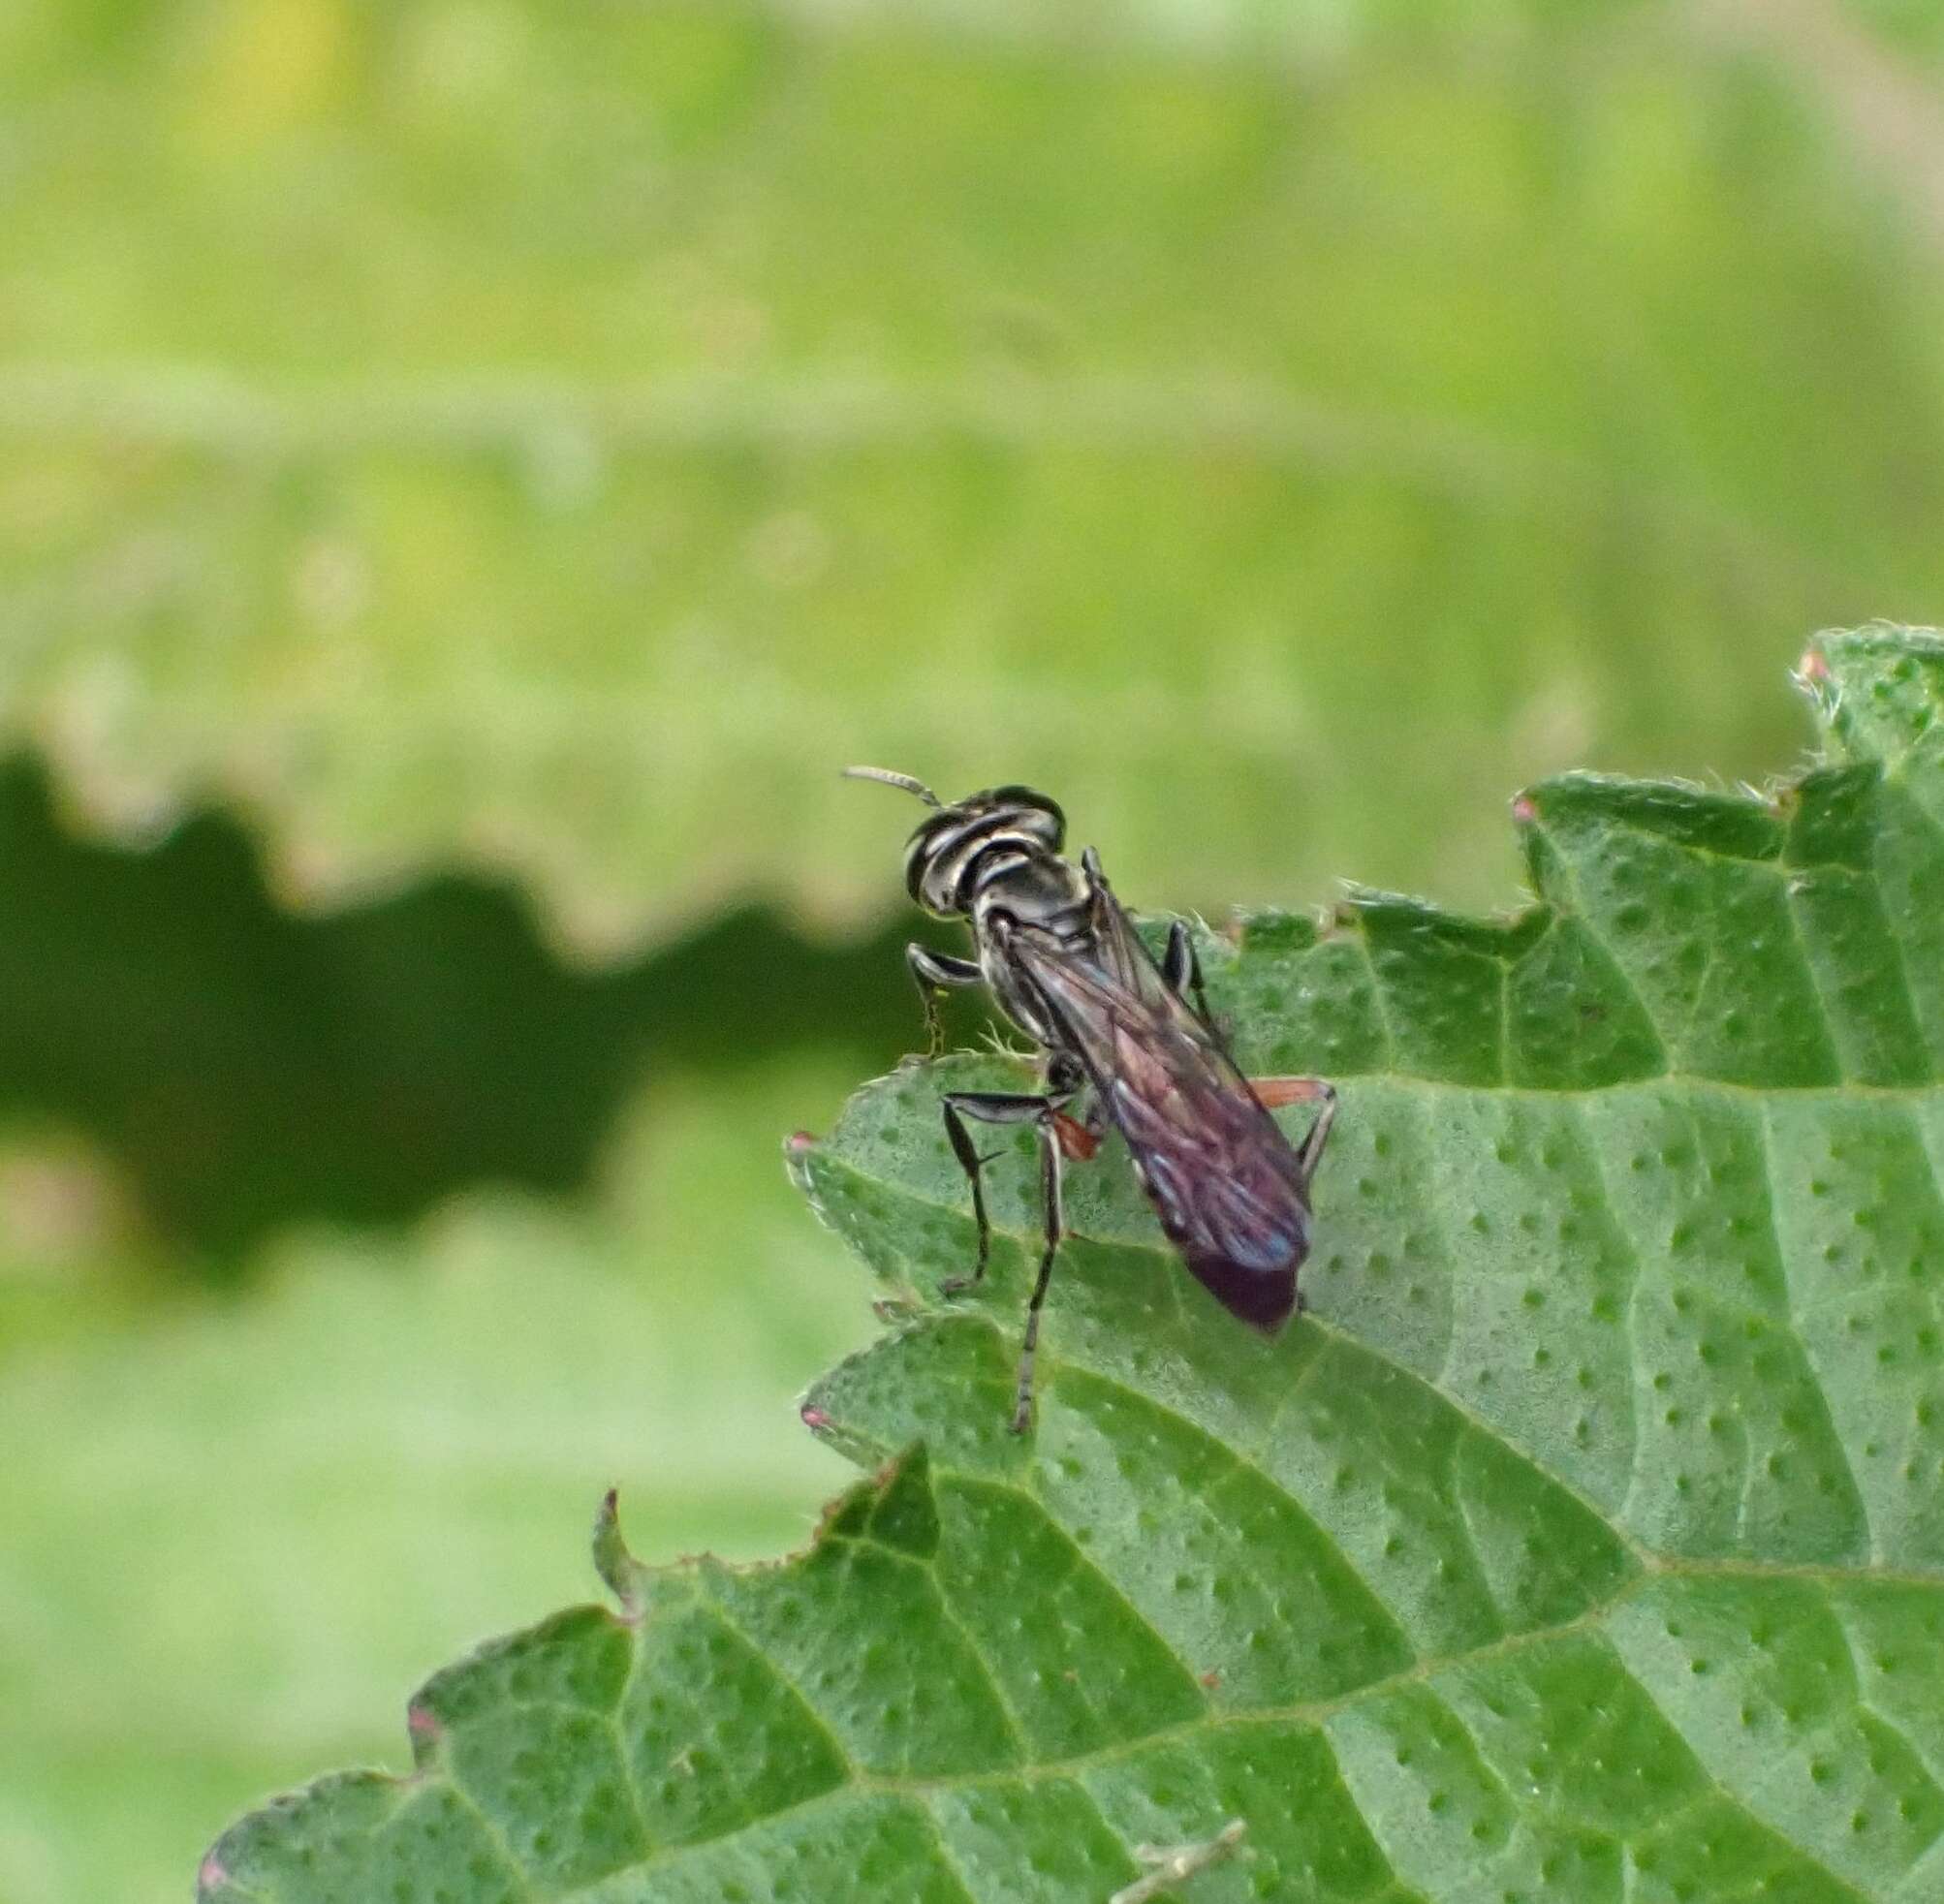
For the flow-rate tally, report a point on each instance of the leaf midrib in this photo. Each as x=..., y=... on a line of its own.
x=1315, y=1713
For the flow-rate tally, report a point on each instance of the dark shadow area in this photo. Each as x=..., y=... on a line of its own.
x=248, y=1066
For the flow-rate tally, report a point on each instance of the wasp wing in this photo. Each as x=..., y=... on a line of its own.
x=1220, y=1174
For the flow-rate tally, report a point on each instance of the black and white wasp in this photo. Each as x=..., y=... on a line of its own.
x=1122, y=1043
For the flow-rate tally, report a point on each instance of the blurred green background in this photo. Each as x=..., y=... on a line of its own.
x=469, y=475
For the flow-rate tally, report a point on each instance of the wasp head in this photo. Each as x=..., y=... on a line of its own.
x=947, y=848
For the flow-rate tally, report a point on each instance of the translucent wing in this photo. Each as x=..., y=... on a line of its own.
x=1221, y=1175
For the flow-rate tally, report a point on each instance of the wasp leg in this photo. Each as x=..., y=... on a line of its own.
x=987, y=1108
x=1050, y=1184
x=1081, y=1135
x=1182, y=967
x=1272, y=1093
x=1309, y=1152
x=1002, y=1108
x=931, y=971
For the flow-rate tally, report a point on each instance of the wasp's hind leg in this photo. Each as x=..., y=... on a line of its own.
x=1004, y=1108
x=1273, y=1093
x=932, y=972
x=1309, y=1152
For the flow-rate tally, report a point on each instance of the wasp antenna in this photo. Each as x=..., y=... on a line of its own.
x=891, y=779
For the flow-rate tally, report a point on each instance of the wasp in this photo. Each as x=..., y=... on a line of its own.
x=1127, y=1041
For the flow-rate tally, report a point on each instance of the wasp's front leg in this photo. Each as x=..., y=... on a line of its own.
x=1005, y=1107
x=932, y=972
x=987, y=1108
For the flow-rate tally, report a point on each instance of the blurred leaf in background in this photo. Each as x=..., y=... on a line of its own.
x=240, y=1529
x=505, y=458
x=251, y=1069
x=460, y=430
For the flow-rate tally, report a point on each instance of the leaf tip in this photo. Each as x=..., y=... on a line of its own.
x=893, y=1506
x=619, y=1570
x=1344, y=914
x=424, y=1730
x=823, y=1411
x=1816, y=680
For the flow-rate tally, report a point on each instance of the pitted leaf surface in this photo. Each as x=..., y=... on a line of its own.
x=1585, y=1539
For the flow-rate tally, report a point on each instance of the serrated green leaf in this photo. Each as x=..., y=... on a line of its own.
x=487, y=431
x=1585, y=1539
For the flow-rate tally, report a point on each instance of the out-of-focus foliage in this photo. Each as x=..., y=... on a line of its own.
x=234, y=1531
x=249, y=1069
x=560, y=437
